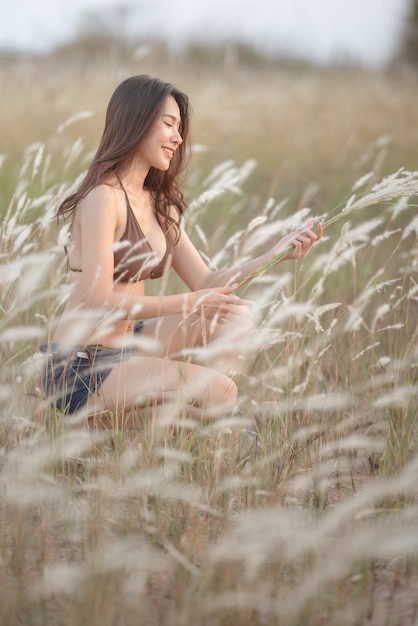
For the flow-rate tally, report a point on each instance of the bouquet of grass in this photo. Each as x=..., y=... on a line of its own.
x=401, y=184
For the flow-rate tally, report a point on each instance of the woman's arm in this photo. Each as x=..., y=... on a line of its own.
x=97, y=224
x=192, y=269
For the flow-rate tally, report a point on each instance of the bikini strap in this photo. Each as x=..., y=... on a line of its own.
x=124, y=191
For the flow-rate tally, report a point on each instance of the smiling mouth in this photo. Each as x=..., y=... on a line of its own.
x=169, y=152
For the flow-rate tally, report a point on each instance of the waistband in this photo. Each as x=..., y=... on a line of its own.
x=54, y=349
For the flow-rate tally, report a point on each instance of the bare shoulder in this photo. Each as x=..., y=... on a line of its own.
x=100, y=196
x=103, y=201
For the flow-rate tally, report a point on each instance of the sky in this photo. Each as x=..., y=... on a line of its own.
x=363, y=31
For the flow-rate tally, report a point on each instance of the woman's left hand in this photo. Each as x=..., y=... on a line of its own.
x=301, y=240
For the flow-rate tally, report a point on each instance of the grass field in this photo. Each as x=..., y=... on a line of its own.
x=301, y=508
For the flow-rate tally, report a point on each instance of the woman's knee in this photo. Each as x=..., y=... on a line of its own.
x=223, y=391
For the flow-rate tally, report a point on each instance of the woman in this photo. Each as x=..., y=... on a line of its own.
x=114, y=347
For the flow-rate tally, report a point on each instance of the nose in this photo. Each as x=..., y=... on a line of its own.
x=177, y=138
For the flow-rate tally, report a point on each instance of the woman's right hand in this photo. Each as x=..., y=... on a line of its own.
x=218, y=301
x=299, y=241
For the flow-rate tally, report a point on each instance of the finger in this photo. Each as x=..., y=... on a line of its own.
x=227, y=289
x=239, y=301
x=300, y=241
x=308, y=232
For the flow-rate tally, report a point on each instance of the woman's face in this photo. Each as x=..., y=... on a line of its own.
x=164, y=138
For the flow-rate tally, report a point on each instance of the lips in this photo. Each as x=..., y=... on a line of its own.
x=168, y=151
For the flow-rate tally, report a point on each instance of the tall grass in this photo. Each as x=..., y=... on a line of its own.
x=300, y=507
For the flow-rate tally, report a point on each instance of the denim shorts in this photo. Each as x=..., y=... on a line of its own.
x=71, y=375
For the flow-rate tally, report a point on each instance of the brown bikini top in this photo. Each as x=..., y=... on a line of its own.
x=134, y=258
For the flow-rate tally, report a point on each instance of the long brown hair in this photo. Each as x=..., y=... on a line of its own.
x=131, y=113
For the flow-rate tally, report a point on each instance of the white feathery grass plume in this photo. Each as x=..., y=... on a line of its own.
x=170, y=454
x=386, y=283
x=255, y=222
x=319, y=311
x=246, y=170
x=354, y=442
x=271, y=532
x=228, y=425
x=381, y=311
x=59, y=578
x=384, y=360
x=323, y=402
x=134, y=561
x=398, y=300
x=400, y=397
x=377, y=240
x=48, y=160
x=363, y=352
x=223, y=178
x=51, y=208
x=298, y=310
x=355, y=319
x=38, y=160
x=26, y=468
x=21, y=235
x=361, y=233
x=21, y=333
x=11, y=271
x=147, y=345
x=398, y=326
x=412, y=227
x=258, y=232
x=268, y=207
x=6, y=392
x=84, y=321
x=401, y=184
x=266, y=300
x=75, y=153
x=16, y=208
x=401, y=205
x=332, y=401
x=81, y=115
x=362, y=181
x=28, y=158
x=224, y=255
x=42, y=200
x=198, y=148
x=215, y=191
x=64, y=236
x=326, y=348
x=218, y=170
x=201, y=235
x=277, y=208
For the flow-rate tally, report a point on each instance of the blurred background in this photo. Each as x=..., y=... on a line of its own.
x=316, y=93
x=325, y=31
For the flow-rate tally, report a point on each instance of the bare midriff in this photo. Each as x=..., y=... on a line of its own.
x=80, y=325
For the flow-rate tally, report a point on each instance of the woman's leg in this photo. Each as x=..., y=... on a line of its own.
x=142, y=381
x=213, y=343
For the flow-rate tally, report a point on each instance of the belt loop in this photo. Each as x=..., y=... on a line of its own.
x=90, y=357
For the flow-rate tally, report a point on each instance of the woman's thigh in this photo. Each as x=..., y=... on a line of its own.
x=142, y=381
x=175, y=336
x=171, y=335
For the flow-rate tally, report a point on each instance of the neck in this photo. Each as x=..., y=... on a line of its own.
x=133, y=179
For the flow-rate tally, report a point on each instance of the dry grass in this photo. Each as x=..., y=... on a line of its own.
x=301, y=508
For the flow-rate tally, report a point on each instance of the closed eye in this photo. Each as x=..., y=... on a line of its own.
x=166, y=115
